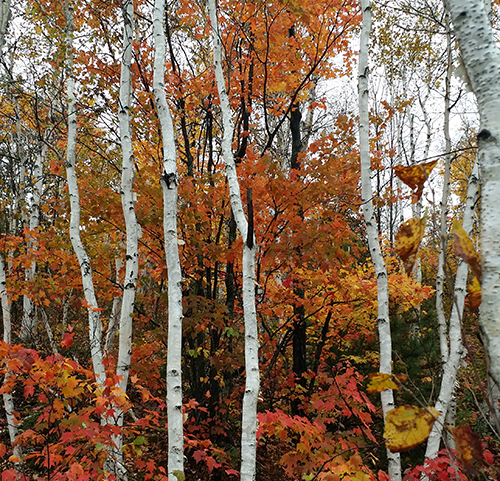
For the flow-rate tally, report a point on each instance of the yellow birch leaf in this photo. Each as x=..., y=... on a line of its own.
x=464, y=248
x=408, y=426
x=380, y=381
x=408, y=240
x=414, y=176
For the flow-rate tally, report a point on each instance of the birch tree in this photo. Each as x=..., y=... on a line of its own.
x=481, y=58
x=8, y=399
x=95, y=324
x=245, y=228
x=128, y=199
x=384, y=328
x=169, y=187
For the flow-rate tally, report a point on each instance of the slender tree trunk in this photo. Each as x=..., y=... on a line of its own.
x=481, y=58
x=4, y=21
x=8, y=400
x=169, y=181
x=114, y=318
x=384, y=328
x=252, y=383
x=29, y=323
x=95, y=326
x=128, y=198
x=443, y=234
x=456, y=351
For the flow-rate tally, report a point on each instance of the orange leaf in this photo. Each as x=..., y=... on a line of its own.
x=474, y=294
x=408, y=240
x=468, y=446
x=464, y=248
x=414, y=176
x=408, y=426
x=3, y=450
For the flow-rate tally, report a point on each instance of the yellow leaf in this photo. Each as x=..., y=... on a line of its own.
x=408, y=240
x=380, y=381
x=414, y=176
x=464, y=248
x=408, y=426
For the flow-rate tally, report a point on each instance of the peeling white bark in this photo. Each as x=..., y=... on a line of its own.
x=250, y=398
x=481, y=57
x=169, y=187
x=384, y=328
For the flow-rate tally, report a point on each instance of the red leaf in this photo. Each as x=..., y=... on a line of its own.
x=67, y=341
x=29, y=391
x=212, y=464
x=9, y=475
x=488, y=457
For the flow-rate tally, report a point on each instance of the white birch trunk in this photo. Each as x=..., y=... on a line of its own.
x=456, y=350
x=250, y=398
x=481, y=58
x=29, y=322
x=443, y=235
x=169, y=187
x=8, y=400
x=114, y=318
x=95, y=325
x=384, y=327
x=128, y=198
x=4, y=22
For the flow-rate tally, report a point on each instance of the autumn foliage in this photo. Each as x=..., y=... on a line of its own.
x=316, y=295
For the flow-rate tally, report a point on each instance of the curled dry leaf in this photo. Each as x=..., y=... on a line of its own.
x=464, y=248
x=474, y=294
x=408, y=426
x=469, y=447
x=414, y=176
x=408, y=240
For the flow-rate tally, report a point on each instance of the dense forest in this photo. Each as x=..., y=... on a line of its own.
x=249, y=240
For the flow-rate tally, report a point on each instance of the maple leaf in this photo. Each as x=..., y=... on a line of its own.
x=29, y=391
x=408, y=240
x=464, y=248
x=414, y=176
x=408, y=426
